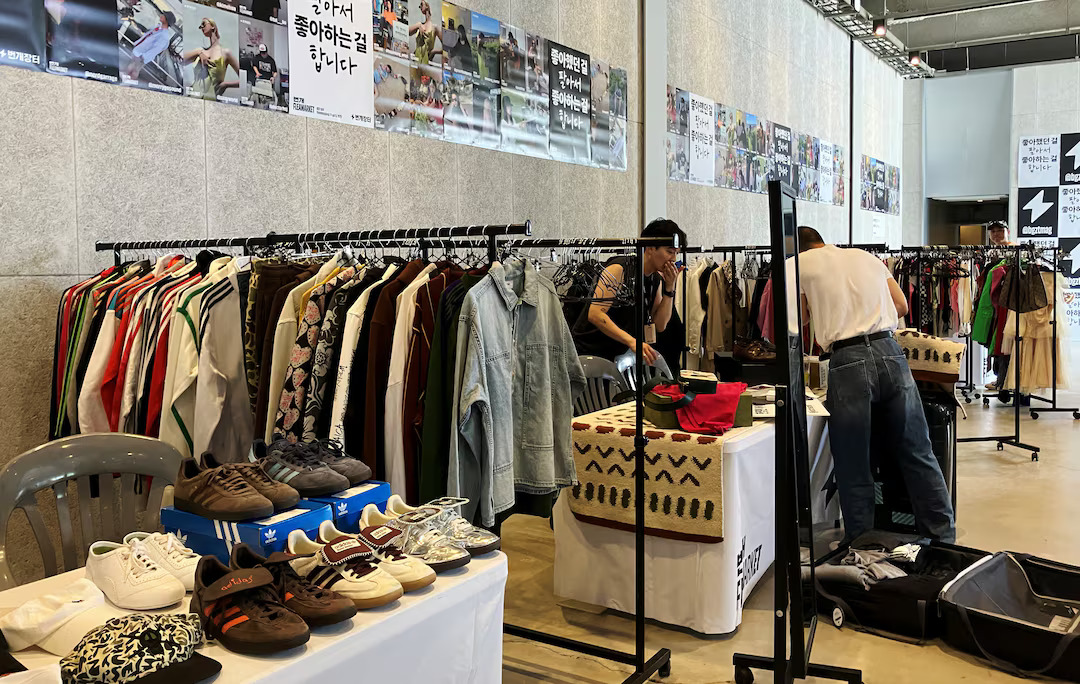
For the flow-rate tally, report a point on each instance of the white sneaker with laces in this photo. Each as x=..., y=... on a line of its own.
x=129, y=578
x=168, y=553
x=411, y=573
x=345, y=565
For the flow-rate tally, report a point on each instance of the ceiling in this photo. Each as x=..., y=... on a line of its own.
x=934, y=24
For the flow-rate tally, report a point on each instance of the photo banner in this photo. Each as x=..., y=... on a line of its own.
x=22, y=33
x=702, y=141
x=330, y=56
x=880, y=186
x=570, y=110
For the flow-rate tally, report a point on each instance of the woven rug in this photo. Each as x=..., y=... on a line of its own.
x=684, y=477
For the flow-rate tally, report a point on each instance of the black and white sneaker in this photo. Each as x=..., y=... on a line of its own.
x=298, y=466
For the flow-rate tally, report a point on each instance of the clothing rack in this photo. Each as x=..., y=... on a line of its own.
x=1053, y=400
x=660, y=662
x=1009, y=251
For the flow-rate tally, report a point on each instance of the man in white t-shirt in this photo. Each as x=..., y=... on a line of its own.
x=855, y=305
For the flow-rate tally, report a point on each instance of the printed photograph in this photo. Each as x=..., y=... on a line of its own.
x=151, y=37
x=678, y=161
x=211, y=47
x=426, y=96
x=617, y=90
x=524, y=124
x=839, y=163
x=227, y=5
x=512, y=57
x=755, y=133
x=761, y=173
x=390, y=26
x=682, y=109
x=742, y=138
x=81, y=38
x=600, y=111
x=536, y=63
x=458, y=107
x=672, y=111
x=392, y=112
x=618, y=143
x=813, y=191
x=264, y=59
x=815, y=152
x=274, y=11
x=425, y=31
x=741, y=179
x=457, y=52
x=839, y=185
x=486, y=113
x=720, y=156
x=725, y=125
x=485, y=43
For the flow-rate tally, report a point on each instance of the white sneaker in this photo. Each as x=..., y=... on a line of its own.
x=411, y=573
x=168, y=553
x=129, y=578
x=420, y=537
x=346, y=565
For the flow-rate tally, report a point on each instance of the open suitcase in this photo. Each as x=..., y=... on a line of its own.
x=1020, y=612
x=904, y=606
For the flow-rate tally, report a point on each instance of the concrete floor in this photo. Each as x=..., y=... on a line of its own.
x=1005, y=501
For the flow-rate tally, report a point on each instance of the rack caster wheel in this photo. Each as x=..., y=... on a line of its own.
x=1076, y=415
x=986, y=402
x=665, y=670
x=967, y=400
x=1001, y=447
x=1034, y=455
x=1034, y=415
x=743, y=675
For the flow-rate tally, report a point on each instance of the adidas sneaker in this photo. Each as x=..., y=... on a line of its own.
x=168, y=553
x=333, y=454
x=298, y=466
x=345, y=565
x=412, y=573
x=420, y=538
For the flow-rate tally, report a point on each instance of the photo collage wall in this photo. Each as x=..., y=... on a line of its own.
x=709, y=143
x=419, y=67
x=880, y=187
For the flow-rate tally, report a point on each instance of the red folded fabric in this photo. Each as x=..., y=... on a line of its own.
x=707, y=414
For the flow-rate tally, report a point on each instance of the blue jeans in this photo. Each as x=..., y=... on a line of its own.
x=862, y=377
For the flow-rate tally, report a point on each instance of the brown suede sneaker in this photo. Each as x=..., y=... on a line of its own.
x=218, y=493
x=242, y=609
x=280, y=494
x=317, y=606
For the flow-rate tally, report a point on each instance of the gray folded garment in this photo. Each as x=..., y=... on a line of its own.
x=845, y=574
x=874, y=563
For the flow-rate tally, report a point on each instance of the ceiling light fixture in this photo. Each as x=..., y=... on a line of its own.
x=880, y=28
x=914, y=59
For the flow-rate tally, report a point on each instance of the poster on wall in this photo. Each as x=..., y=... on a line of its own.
x=264, y=59
x=677, y=155
x=618, y=87
x=81, y=39
x=839, y=167
x=702, y=139
x=1038, y=163
x=570, y=106
x=825, y=173
x=151, y=51
x=484, y=42
x=600, y=111
x=782, y=152
x=879, y=186
x=273, y=11
x=211, y=48
x=331, y=62
x=426, y=83
x=22, y=34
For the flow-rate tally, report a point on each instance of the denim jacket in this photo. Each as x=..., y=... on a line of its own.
x=517, y=373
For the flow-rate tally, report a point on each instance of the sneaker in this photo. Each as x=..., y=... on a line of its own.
x=218, y=493
x=476, y=540
x=419, y=538
x=169, y=554
x=411, y=573
x=297, y=466
x=333, y=454
x=317, y=606
x=129, y=578
x=280, y=494
x=346, y=565
x=242, y=610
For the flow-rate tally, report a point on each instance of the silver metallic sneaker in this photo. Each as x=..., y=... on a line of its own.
x=476, y=540
x=421, y=536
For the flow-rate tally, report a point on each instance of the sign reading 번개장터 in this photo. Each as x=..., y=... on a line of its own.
x=330, y=57
x=569, y=104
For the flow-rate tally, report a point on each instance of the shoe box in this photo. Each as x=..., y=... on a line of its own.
x=349, y=504
x=265, y=536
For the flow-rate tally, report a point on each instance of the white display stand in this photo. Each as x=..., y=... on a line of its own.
x=450, y=633
x=694, y=585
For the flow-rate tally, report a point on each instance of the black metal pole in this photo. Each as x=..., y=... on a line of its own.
x=639, y=463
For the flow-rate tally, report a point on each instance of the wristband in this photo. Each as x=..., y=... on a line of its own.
x=668, y=293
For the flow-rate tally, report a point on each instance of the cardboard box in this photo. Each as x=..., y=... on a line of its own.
x=217, y=537
x=349, y=504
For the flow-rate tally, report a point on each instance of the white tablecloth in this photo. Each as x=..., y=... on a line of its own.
x=449, y=633
x=694, y=585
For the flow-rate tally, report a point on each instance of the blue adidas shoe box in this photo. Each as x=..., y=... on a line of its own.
x=217, y=537
x=349, y=504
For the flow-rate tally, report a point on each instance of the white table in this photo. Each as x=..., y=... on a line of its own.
x=695, y=585
x=448, y=633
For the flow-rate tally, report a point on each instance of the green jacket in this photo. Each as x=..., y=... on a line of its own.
x=983, y=328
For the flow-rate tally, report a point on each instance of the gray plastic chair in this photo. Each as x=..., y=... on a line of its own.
x=77, y=458
x=625, y=363
x=602, y=382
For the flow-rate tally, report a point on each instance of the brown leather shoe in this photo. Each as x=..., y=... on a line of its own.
x=280, y=494
x=218, y=493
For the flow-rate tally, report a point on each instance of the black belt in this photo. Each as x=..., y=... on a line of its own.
x=852, y=341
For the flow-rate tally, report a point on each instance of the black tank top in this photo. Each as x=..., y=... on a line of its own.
x=591, y=340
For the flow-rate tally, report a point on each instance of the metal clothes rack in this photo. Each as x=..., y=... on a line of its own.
x=1053, y=400
x=660, y=662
